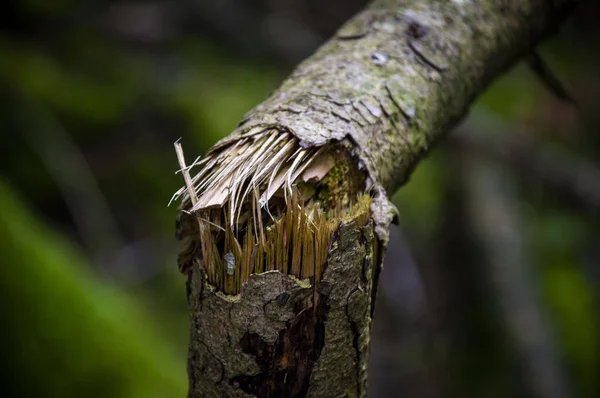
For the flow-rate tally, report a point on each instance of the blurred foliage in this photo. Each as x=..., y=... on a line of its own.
x=571, y=302
x=73, y=332
x=68, y=334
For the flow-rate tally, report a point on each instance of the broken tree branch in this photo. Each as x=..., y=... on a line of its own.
x=375, y=98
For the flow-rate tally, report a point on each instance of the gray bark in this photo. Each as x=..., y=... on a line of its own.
x=391, y=82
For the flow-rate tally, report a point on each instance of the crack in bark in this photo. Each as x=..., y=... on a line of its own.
x=286, y=365
x=355, y=340
x=188, y=288
x=205, y=367
x=395, y=102
x=378, y=250
x=421, y=56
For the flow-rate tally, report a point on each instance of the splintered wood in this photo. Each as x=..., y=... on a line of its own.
x=253, y=201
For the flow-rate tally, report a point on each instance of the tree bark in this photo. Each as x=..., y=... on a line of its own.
x=391, y=83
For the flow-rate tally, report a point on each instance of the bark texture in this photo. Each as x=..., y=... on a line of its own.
x=397, y=76
x=391, y=82
x=280, y=337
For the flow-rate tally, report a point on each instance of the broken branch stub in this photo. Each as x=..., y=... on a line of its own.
x=264, y=203
x=280, y=272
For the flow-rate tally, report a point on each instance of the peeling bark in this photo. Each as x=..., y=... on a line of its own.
x=391, y=82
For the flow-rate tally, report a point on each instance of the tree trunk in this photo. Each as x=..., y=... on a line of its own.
x=387, y=87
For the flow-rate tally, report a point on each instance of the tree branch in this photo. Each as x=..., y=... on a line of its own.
x=384, y=90
x=399, y=74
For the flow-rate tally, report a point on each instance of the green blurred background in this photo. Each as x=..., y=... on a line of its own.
x=491, y=287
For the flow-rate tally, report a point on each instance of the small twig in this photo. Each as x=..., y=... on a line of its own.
x=549, y=78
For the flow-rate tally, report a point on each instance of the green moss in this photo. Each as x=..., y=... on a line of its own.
x=342, y=185
x=360, y=212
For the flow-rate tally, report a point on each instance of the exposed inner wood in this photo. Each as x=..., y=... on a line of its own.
x=265, y=203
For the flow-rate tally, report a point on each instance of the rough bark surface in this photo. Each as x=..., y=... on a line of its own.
x=391, y=82
x=280, y=337
x=400, y=74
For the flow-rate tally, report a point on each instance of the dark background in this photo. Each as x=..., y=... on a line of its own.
x=490, y=288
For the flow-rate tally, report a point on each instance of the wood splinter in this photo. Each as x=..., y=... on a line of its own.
x=261, y=205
